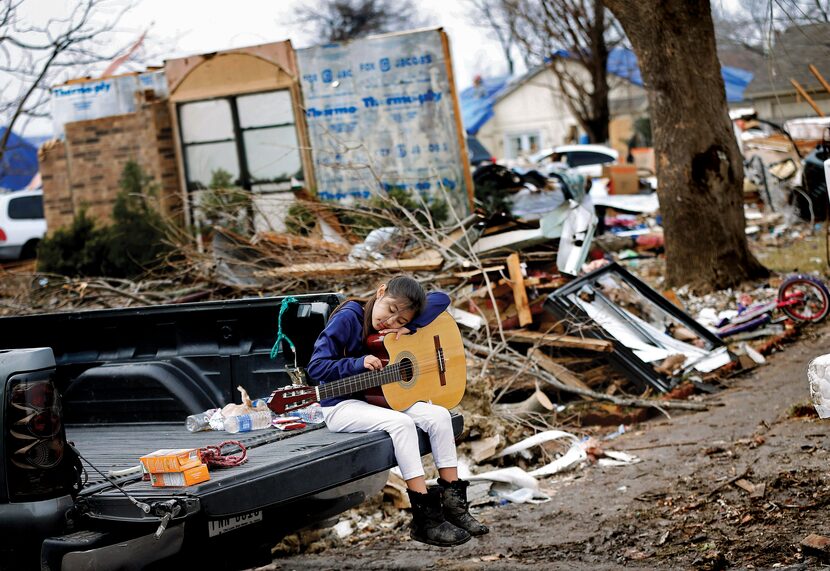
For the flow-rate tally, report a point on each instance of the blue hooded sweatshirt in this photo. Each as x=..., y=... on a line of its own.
x=339, y=351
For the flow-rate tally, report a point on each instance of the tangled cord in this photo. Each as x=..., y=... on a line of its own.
x=212, y=455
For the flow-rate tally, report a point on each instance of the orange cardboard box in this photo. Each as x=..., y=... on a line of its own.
x=171, y=460
x=623, y=179
x=188, y=477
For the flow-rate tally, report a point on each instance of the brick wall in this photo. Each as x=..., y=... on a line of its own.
x=84, y=170
x=54, y=172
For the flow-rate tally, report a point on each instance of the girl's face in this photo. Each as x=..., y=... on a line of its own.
x=389, y=312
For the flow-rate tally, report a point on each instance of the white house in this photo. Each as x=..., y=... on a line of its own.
x=531, y=114
x=516, y=118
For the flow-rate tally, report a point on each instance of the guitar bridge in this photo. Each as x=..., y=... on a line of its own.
x=442, y=364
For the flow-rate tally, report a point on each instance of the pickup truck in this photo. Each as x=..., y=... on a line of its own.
x=84, y=394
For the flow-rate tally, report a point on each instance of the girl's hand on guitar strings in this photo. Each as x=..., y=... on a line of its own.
x=372, y=363
x=398, y=331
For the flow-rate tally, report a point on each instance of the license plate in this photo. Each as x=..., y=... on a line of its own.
x=220, y=526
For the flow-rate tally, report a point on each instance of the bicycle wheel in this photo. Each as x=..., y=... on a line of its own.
x=813, y=298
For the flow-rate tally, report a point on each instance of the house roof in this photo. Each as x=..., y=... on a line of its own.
x=477, y=102
x=793, y=51
x=623, y=63
x=19, y=163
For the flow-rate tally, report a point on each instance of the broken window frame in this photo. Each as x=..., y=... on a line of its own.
x=623, y=359
x=245, y=179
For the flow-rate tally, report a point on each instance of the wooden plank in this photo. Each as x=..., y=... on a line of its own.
x=820, y=77
x=556, y=340
x=459, y=127
x=474, y=273
x=290, y=241
x=806, y=97
x=490, y=230
x=559, y=371
x=815, y=543
x=424, y=263
x=514, y=268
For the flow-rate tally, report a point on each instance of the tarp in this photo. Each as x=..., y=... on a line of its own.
x=381, y=115
x=19, y=162
x=476, y=102
x=623, y=63
x=96, y=98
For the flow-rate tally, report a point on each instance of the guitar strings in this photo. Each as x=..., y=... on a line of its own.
x=356, y=383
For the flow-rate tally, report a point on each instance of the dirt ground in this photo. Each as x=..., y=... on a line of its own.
x=739, y=486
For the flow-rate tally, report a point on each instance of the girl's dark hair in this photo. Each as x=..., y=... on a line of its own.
x=402, y=288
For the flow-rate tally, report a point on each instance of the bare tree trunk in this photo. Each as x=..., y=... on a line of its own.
x=601, y=112
x=584, y=30
x=699, y=167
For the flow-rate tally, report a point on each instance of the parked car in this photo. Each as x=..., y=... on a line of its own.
x=22, y=224
x=479, y=155
x=586, y=160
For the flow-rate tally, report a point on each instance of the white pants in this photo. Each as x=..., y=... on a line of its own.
x=359, y=416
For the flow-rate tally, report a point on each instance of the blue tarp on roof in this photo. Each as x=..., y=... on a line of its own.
x=623, y=63
x=19, y=162
x=476, y=102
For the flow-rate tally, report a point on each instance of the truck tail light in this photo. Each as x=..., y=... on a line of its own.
x=35, y=438
x=2, y=235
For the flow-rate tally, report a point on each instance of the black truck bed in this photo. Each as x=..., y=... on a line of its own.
x=127, y=379
x=281, y=466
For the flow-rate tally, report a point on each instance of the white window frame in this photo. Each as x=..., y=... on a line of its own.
x=524, y=142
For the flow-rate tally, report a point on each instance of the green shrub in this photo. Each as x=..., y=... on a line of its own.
x=79, y=249
x=132, y=244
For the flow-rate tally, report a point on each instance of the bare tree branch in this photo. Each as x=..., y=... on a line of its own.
x=573, y=38
x=35, y=55
x=341, y=20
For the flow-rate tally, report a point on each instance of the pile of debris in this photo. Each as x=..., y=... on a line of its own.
x=552, y=325
x=562, y=329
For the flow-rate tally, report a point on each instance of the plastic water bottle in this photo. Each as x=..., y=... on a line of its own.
x=248, y=422
x=312, y=414
x=200, y=421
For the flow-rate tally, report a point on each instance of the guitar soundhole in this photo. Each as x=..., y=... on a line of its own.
x=407, y=370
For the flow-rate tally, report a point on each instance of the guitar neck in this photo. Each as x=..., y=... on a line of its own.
x=390, y=374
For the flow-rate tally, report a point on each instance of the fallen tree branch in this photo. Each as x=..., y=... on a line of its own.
x=121, y=292
x=552, y=380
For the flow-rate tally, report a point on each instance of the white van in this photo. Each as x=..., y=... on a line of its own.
x=22, y=224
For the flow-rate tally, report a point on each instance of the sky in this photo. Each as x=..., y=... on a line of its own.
x=187, y=27
x=211, y=25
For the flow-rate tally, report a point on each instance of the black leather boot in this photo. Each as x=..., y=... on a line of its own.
x=456, y=509
x=428, y=523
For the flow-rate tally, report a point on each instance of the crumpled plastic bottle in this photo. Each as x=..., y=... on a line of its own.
x=312, y=414
x=200, y=421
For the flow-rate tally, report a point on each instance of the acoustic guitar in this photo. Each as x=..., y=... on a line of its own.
x=428, y=365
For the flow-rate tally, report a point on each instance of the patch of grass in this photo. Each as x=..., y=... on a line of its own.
x=805, y=254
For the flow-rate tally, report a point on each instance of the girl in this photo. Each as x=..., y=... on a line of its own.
x=440, y=515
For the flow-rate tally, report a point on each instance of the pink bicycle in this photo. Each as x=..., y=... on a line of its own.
x=801, y=297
